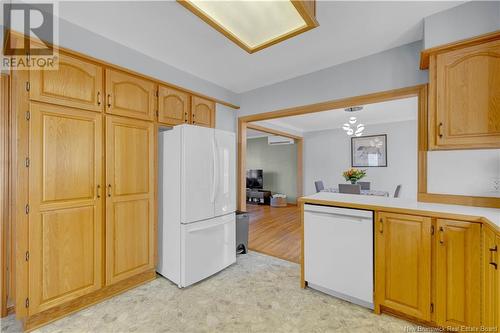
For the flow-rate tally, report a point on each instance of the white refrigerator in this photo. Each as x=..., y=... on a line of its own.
x=197, y=203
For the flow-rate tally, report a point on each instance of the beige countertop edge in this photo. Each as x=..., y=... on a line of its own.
x=447, y=215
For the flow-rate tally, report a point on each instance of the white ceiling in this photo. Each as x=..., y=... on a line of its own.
x=385, y=112
x=170, y=33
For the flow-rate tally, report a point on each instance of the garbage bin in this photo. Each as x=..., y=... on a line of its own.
x=242, y=220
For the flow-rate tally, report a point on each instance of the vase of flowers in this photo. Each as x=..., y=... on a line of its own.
x=353, y=175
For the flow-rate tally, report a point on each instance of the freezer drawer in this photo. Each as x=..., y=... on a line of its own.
x=338, y=252
x=207, y=248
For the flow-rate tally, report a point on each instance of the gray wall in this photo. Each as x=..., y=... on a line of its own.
x=279, y=164
x=461, y=22
x=328, y=153
x=395, y=68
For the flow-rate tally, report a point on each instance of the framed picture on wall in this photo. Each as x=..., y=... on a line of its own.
x=369, y=151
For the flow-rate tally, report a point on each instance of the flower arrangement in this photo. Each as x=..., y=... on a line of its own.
x=353, y=175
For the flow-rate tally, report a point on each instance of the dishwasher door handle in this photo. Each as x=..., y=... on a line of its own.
x=331, y=215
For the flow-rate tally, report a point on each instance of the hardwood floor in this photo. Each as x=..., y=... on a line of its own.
x=275, y=231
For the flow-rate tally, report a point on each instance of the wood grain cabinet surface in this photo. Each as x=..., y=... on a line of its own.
x=173, y=106
x=76, y=83
x=202, y=112
x=403, y=263
x=458, y=273
x=65, y=238
x=130, y=96
x=491, y=279
x=465, y=97
x=130, y=179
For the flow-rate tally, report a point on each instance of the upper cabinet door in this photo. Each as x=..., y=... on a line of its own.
x=173, y=106
x=403, y=263
x=129, y=96
x=76, y=83
x=202, y=112
x=65, y=236
x=467, y=97
x=458, y=273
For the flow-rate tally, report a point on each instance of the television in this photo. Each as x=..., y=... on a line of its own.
x=255, y=180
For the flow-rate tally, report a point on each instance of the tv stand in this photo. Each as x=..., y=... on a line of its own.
x=258, y=197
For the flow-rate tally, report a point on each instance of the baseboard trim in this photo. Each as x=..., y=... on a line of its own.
x=45, y=317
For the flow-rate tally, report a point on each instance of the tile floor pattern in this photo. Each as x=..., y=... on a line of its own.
x=257, y=294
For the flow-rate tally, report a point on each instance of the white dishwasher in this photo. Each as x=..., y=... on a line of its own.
x=338, y=252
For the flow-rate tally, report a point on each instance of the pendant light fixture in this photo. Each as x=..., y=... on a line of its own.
x=350, y=127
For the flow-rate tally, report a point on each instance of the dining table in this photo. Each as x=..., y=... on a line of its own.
x=363, y=192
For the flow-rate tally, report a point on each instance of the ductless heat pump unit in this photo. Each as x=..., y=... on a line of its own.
x=279, y=140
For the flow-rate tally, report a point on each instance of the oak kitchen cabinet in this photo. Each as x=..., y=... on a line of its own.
x=202, y=112
x=464, y=96
x=403, y=273
x=403, y=263
x=173, y=106
x=458, y=273
x=65, y=237
x=130, y=96
x=76, y=83
x=491, y=280
x=130, y=179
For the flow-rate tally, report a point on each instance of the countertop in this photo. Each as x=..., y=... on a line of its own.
x=490, y=216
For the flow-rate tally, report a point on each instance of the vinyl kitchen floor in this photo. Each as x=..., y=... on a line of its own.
x=257, y=294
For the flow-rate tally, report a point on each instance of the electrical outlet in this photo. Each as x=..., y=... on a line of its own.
x=495, y=185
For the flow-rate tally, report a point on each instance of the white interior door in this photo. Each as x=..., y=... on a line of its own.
x=198, y=174
x=208, y=247
x=225, y=192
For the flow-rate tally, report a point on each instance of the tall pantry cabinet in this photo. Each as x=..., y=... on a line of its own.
x=91, y=162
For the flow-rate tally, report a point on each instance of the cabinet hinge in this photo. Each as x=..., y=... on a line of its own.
x=27, y=86
x=28, y=115
x=432, y=230
x=27, y=255
x=27, y=209
x=27, y=162
x=432, y=307
x=27, y=303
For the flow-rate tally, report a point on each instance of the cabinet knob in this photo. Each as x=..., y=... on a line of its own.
x=441, y=235
x=98, y=191
x=98, y=98
x=109, y=190
x=381, y=226
x=109, y=100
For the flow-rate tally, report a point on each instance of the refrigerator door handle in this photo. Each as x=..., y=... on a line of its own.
x=214, y=170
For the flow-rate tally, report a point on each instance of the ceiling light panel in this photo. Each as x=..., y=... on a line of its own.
x=256, y=24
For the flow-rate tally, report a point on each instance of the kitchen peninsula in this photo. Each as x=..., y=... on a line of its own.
x=435, y=264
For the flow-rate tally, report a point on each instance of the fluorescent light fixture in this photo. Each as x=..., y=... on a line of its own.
x=255, y=24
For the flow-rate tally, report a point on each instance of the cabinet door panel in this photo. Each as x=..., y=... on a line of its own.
x=75, y=83
x=202, y=112
x=491, y=280
x=129, y=96
x=468, y=96
x=130, y=238
x=66, y=209
x=173, y=106
x=403, y=263
x=458, y=273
